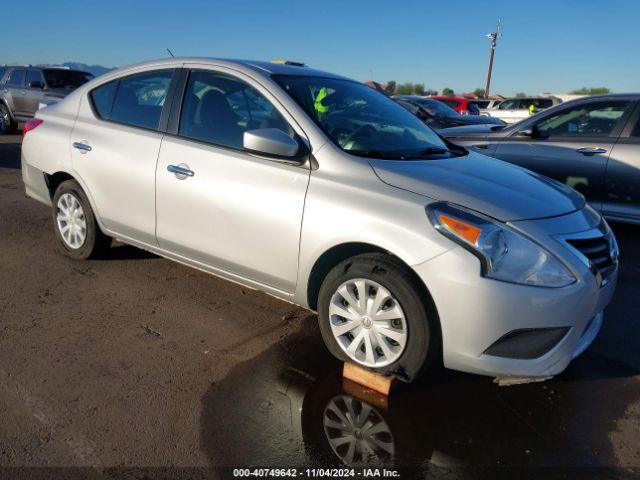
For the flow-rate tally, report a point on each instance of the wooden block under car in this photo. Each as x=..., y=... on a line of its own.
x=367, y=378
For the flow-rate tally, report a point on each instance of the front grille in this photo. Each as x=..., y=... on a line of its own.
x=597, y=252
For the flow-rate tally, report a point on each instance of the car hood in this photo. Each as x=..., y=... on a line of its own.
x=498, y=189
x=465, y=120
x=469, y=130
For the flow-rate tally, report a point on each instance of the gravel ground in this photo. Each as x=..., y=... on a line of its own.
x=135, y=362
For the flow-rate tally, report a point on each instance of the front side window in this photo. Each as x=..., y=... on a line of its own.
x=362, y=121
x=139, y=99
x=594, y=119
x=34, y=76
x=218, y=109
x=67, y=79
x=16, y=79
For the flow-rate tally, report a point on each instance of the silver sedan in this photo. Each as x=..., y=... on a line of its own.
x=318, y=190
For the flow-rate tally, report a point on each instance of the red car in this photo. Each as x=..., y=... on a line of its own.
x=464, y=106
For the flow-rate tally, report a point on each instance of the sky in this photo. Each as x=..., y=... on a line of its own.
x=547, y=45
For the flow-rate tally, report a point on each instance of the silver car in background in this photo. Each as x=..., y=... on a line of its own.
x=319, y=190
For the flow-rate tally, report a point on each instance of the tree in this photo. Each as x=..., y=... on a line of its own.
x=590, y=91
x=410, y=89
x=521, y=95
x=390, y=89
x=479, y=92
x=448, y=92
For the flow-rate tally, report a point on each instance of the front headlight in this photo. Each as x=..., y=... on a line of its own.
x=504, y=253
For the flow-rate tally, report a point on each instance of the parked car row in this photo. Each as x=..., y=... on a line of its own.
x=23, y=88
x=321, y=191
x=439, y=115
x=591, y=144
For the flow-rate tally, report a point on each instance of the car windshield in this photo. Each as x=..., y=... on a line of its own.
x=362, y=121
x=437, y=109
x=69, y=79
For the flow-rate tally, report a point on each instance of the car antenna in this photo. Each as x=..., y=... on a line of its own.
x=171, y=53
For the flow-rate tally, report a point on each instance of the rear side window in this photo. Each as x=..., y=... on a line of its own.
x=509, y=105
x=139, y=99
x=102, y=99
x=34, y=76
x=16, y=79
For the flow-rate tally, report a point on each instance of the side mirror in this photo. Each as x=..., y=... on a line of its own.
x=272, y=142
x=526, y=132
x=36, y=84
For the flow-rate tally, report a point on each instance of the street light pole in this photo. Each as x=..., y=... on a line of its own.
x=494, y=41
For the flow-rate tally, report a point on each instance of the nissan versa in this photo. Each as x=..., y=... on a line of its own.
x=323, y=192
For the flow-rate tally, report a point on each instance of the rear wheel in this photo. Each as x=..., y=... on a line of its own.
x=7, y=125
x=373, y=313
x=75, y=224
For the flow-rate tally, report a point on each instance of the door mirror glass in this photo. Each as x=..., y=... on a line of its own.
x=526, y=132
x=272, y=142
x=36, y=84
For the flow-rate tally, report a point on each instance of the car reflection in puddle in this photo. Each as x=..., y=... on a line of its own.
x=290, y=407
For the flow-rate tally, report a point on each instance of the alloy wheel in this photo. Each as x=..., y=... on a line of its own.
x=5, y=120
x=71, y=221
x=368, y=323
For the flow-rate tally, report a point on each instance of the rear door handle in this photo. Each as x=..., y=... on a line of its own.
x=82, y=146
x=23, y=92
x=591, y=150
x=181, y=171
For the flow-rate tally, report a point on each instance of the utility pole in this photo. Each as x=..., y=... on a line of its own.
x=494, y=41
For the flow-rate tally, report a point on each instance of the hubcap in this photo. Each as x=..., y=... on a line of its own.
x=356, y=432
x=71, y=221
x=368, y=323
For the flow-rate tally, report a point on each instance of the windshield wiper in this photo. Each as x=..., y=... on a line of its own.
x=376, y=154
x=431, y=151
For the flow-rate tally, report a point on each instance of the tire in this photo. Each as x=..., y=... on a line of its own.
x=411, y=355
x=7, y=124
x=77, y=242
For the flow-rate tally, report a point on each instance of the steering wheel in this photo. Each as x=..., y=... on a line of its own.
x=350, y=136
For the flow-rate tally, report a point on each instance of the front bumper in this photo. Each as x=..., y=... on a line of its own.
x=475, y=311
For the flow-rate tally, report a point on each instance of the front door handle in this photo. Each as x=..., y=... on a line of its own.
x=83, y=146
x=23, y=92
x=181, y=171
x=591, y=150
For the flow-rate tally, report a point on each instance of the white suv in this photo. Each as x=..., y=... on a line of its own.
x=512, y=110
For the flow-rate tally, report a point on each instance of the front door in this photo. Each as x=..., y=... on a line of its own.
x=236, y=212
x=622, y=180
x=571, y=145
x=34, y=95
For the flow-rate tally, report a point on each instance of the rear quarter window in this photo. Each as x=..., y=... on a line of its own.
x=102, y=99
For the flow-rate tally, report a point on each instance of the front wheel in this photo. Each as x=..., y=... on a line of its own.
x=372, y=312
x=75, y=224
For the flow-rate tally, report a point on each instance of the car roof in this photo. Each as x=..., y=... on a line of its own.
x=256, y=66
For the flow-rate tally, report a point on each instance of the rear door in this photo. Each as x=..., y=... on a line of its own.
x=238, y=213
x=34, y=94
x=17, y=91
x=571, y=145
x=622, y=180
x=115, y=145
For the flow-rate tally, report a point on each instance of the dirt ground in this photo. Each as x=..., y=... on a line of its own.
x=137, y=367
